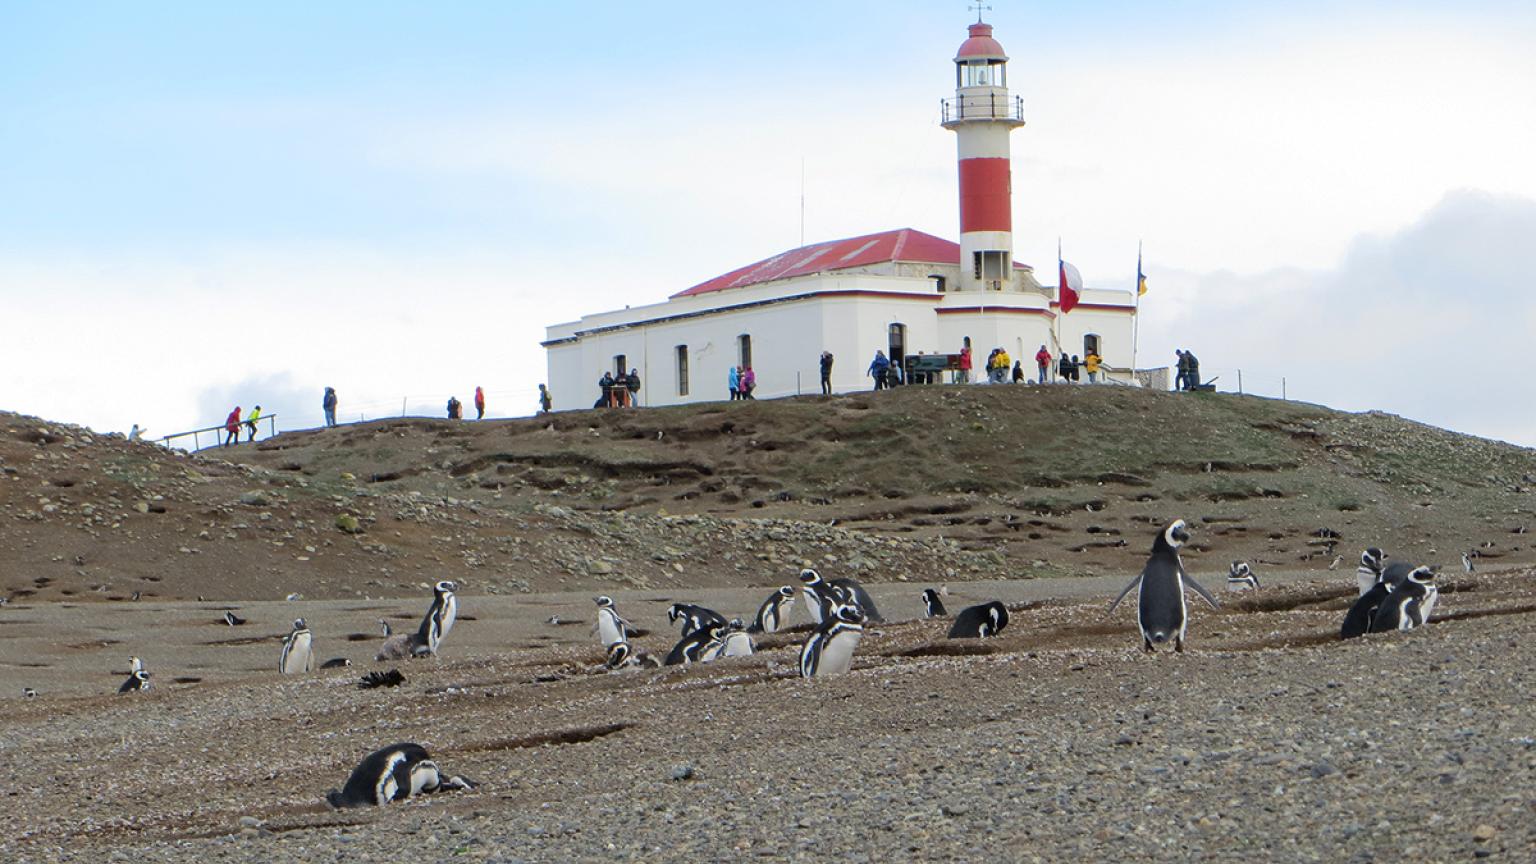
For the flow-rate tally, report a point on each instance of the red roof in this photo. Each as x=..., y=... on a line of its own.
x=903, y=244
x=981, y=44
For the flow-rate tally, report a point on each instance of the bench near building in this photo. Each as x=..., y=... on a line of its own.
x=901, y=291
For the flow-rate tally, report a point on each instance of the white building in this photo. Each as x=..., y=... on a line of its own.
x=902, y=291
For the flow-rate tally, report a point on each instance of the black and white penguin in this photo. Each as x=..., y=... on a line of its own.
x=817, y=594
x=829, y=650
x=850, y=591
x=138, y=677
x=1368, y=573
x=979, y=622
x=1240, y=577
x=693, y=617
x=1362, y=613
x=336, y=663
x=820, y=594
x=440, y=616
x=233, y=620
x=773, y=615
x=29, y=693
x=1162, y=613
x=298, y=650
x=1403, y=608
x=393, y=774
x=699, y=646
x=610, y=627
x=734, y=641
x=1466, y=561
x=619, y=655
x=933, y=606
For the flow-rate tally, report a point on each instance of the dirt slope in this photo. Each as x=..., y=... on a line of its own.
x=926, y=484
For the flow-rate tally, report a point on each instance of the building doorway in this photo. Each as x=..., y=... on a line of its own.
x=897, y=347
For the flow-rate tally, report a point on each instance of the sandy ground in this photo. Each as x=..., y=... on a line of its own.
x=1268, y=740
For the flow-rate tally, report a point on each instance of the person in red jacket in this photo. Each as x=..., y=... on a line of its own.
x=1043, y=360
x=964, y=375
x=479, y=404
x=232, y=426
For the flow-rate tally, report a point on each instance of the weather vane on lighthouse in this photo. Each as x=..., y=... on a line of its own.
x=978, y=7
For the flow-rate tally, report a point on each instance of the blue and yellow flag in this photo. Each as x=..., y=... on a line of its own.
x=1141, y=281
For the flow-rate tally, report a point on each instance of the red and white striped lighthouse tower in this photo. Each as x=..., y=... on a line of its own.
x=982, y=115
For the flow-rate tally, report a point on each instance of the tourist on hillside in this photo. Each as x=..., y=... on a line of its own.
x=232, y=426
x=329, y=404
x=877, y=369
x=250, y=422
x=964, y=375
x=1064, y=368
x=546, y=401
x=479, y=404
x=748, y=382
x=1043, y=361
x=455, y=408
x=1000, y=372
x=733, y=381
x=1181, y=378
x=632, y=385
x=136, y=433
x=1018, y=371
x=826, y=373
x=1091, y=363
x=1192, y=376
x=1077, y=369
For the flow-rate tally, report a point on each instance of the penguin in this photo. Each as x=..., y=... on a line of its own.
x=734, y=641
x=290, y=598
x=336, y=663
x=1162, y=613
x=440, y=616
x=1337, y=560
x=829, y=650
x=233, y=620
x=298, y=650
x=619, y=655
x=1240, y=577
x=1403, y=609
x=933, y=606
x=693, y=617
x=699, y=646
x=979, y=622
x=852, y=592
x=1369, y=571
x=28, y=693
x=393, y=773
x=817, y=594
x=1358, y=620
x=820, y=593
x=773, y=615
x=610, y=627
x=1466, y=561
x=138, y=678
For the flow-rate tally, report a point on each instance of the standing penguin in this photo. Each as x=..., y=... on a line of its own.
x=979, y=622
x=1403, y=609
x=393, y=773
x=692, y=616
x=440, y=616
x=774, y=613
x=138, y=677
x=1362, y=613
x=699, y=646
x=817, y=594
x=829, y=650
x=1161, y=611
x=1369, y=572
x=933, y=607
x=850, y=591
x=610, y=627
x=298, y=650
x=1240, y=577
x=1467, y=559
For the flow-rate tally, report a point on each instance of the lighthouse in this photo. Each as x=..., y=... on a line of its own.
x=983, y=115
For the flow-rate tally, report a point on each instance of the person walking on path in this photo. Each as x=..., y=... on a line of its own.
x=964, y=375
x=826, y=373
x=546, y=402
x=1091, y=363
x=748, y=383
x=329, y=404
x=1043, y=362
x=479, y=404
x=632, y=385
x=232, y=426
x=733, y=381
x=877, y=369
x=250, y=422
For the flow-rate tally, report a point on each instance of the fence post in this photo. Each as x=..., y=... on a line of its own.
x=1282, y=389
x=1239, y=382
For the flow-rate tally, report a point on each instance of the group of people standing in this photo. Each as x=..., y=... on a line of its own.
x=1187, y=374
x=742, y=381
x=619, y=391
x=232, y=425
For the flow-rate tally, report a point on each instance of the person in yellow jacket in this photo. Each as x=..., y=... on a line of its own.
x=250, y=421
x=1091, y=362
x=1003, y=364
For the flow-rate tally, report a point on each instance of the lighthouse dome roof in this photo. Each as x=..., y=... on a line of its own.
x=981, y=45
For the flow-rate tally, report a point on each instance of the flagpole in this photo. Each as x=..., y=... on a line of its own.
x=1136, y=316
x=1056, y=319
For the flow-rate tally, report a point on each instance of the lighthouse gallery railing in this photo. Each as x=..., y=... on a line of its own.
x=988, y=107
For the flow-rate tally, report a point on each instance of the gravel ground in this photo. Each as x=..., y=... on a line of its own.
x=1268, y=740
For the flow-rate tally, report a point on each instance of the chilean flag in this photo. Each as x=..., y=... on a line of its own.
x=1071, y=283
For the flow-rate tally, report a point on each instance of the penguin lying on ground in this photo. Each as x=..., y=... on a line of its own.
x=699, y=646
x=933, y=606
x=774, y=613
x=734, y=641
x=622, y=654
x=233, y=620
x=979, y=622
x=1240, y=577
x=693, y=617
x=393, y=774
x=1161, y=611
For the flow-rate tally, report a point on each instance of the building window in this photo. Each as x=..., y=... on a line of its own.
x=744, y=350
x=1091, y=344
x=620, y=364
x=682, y=370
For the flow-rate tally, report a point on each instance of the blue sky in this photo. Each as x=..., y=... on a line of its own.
x=395, y=198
